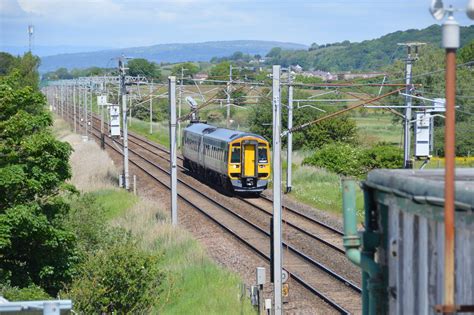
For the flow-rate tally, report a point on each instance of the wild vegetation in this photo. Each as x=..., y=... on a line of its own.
x=36, y=248
x=367, y=55
x=107, y=250
x=365, y=138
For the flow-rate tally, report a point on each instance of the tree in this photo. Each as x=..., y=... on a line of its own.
x=338, y=129
x=63, y=74
x=466, y=53
x=275, y=52
x=313, y=46
x=143, y=67
x=189, y=69
x=427, y=74
x=35, y=247
x=220, y=71
x=28, y=69
x=7, y=62
x=464, y=139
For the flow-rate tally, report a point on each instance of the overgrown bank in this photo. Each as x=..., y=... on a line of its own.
x=163, y=268
x=67, y=232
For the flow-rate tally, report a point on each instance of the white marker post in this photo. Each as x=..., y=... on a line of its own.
x=277, y=256
x=174, y=175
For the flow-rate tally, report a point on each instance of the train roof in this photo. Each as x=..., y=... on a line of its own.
x=222, y=134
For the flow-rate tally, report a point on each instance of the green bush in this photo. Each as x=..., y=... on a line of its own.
x=341, y=158
x=160, y=110
x=120, y=278
x=349, y=160
x=382, y=156
x=87, y=220
x=33, y=292
x=215, y=116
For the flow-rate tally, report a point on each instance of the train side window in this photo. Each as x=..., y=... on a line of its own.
x=262, y=155
x=235, y=156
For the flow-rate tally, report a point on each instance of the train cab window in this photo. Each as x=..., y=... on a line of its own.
x=235, y=156
x=262, y=155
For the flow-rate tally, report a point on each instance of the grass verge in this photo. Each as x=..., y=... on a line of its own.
x=192, y=282
x=319, y=188
x=322, y=189
x=160, y=132
x=114, y=201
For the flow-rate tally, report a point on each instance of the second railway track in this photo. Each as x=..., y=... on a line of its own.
x=248, y=220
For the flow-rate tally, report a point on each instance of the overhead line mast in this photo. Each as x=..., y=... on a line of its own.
x=412, y=56
x=123, y=98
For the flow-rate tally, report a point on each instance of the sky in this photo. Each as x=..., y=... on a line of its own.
x=94, y=24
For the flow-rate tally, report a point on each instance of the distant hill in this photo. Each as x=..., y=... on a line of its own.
x=164, y=53
x=367, y=55
x=42, y=50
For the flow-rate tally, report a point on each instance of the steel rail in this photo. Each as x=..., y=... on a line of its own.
x=317, y=222
x=291, y=248
x=233, y=233
x=290, y=209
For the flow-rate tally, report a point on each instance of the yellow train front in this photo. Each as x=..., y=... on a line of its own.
x=235, y=160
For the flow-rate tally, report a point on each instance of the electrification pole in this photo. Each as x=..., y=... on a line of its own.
x=74, y=105
x=290, y=134
x=173, y=165
x=61, y=90
x=406, y=122
x=84, y=104
x=411, y=58
x=179, y=104
x=90, y=110
x=151, y=107
x=229, y=89
x=277, y=252
x=66, y=98
x=123, y=97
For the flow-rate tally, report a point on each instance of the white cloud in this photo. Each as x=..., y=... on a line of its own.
x=11, y=8
x=60, y=9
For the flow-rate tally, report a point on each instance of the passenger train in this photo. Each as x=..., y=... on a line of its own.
x=236, y=160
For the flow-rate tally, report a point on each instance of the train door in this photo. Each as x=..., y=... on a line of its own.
x=249, y=159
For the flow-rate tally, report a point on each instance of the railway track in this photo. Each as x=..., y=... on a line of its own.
x=294, y=219
x=336, y=290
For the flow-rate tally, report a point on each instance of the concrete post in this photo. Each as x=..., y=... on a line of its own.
x=277, y=248
x=173, y=166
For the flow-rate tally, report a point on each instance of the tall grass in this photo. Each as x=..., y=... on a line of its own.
x=194, y=284
x=160, y=130
x=319, y=188
x=92, y=169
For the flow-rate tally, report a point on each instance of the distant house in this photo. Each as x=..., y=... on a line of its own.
x=201, y=77
x=352, y=76
x=324, y=75
x=297, y=68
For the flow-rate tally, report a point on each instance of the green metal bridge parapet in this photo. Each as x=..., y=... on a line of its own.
x=404, y=233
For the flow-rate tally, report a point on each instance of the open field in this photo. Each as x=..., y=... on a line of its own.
x=378, y=127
